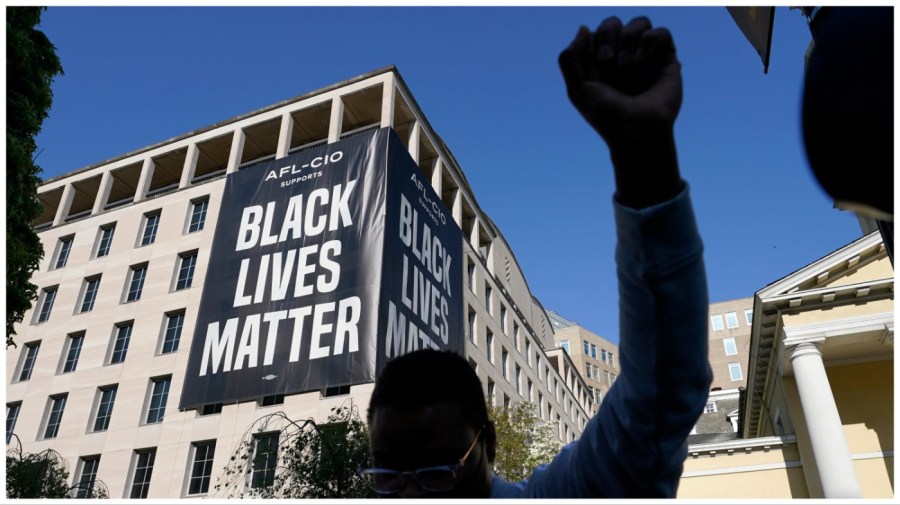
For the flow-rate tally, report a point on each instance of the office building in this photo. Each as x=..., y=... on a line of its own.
x=595, y=358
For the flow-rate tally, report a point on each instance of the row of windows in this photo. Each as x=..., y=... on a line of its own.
x=591, y=350
x=593, y=372
x=134, y=286
x=147, y=236
x=731, y=320
x=173, y=323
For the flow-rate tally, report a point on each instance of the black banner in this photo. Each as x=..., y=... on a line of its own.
x=309, y=261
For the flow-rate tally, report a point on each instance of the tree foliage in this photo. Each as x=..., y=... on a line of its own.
x=314, y=460
x=524, y=441
x=31, y=65
x=44, y=475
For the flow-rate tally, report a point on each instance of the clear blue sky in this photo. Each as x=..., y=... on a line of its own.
x=488, y=81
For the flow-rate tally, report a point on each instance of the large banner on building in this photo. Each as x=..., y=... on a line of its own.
x=324, y=265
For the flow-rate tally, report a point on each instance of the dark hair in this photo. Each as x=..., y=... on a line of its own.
x=426, y=377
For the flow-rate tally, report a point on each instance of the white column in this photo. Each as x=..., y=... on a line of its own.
x=437, y=176
x=284, y=135
x=237, y=149
x=337, y=120
x=65, y=204
x=144, y=182
x=826, y=432
x=387, y=102
x=103, y=194
x=414, y=141
x=190, y=166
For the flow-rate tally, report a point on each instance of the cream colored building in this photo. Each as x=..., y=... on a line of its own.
x=101, y=357
x=818, y=417
x=595, y=358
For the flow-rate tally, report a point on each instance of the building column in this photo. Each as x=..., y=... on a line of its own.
x=414, y=141
x=140, y=193
x=284, y=135
x=826, y=432
x=190, y=166
x=65, y=204
x=106, y=181
x=336, y=123
x=237, y=149
x=387, y=102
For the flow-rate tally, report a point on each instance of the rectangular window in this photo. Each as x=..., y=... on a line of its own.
x=717, y=323
x=471, y=324
x=603, y=355
x=174, y=323
x=596, y=373
x=12, y=415
x=504, y=360
x=120, y=346
x=151, y=223
x=471, y=271
x=587, y=348
x=211, y=409
x=490, y=392
x=731, y=320
x=748, y=316
x=91, y=285
x=143, y=469
x=186, y=270
x=198, y=215
x=136, y=285
x=530, y=390
x=159, y=394
x=564, y=344
x=29, y=354
x=730, y=347
x=710, y=408
x=74, y=343
x=276, y=399
x=488, y=295
x=54, y=416
x=47, y=304
x=489, y=346
x=105, y=241
x=333, y=391
x=612, y=359
x=593, y=351
x=518, y=379
x=201, y=469
x=587, y=370
x=734, y=369
x=85, y=486
x=265, y=457
x=62, y=251
x=528, y=352
x=104, y=407
x=502, y=318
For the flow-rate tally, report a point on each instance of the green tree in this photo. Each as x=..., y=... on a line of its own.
x=523, y=440
x=314, y=461
x=31, y=65
x=44, y=475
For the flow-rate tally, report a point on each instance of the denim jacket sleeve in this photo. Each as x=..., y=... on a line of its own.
x=636, y=444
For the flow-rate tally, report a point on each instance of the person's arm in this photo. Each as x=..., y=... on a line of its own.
x=626, y=83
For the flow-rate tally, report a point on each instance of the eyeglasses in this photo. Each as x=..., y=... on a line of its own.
x=436, y=479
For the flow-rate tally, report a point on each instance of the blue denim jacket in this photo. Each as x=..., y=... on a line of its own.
x=637, y=443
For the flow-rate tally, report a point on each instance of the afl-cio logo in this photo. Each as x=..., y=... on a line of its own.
x=317, y=162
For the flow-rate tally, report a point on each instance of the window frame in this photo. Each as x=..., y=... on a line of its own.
x=155, y=414
x=147, y=468
x=271, y=460
x=185, y=280
x=102, y=415
x=132, y=294
x=15, y=408
x=104, y=242
x=48, y=296
x=117, y=329
x=78, y=486
x=53, y=416
x=730, y=340
x=90, y=287
x=731, y=368
x=26, y=361
x=150, y=227
x=728, y=317
x=710, y=408
x=717, y=323
x=171, y=336
x=594, y=351
x=195, y=225
x=748, y=316
x=72, y=352
x=63, y=250
x=205, y=466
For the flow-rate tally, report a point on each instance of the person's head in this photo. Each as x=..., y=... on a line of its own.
x=428, y=411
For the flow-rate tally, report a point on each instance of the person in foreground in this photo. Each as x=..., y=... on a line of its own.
x=430, y=433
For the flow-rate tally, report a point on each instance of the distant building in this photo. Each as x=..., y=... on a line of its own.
x=595, y=358
x=730, y=324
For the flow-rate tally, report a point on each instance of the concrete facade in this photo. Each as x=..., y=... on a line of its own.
x=595, y=358
x=68, y=358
